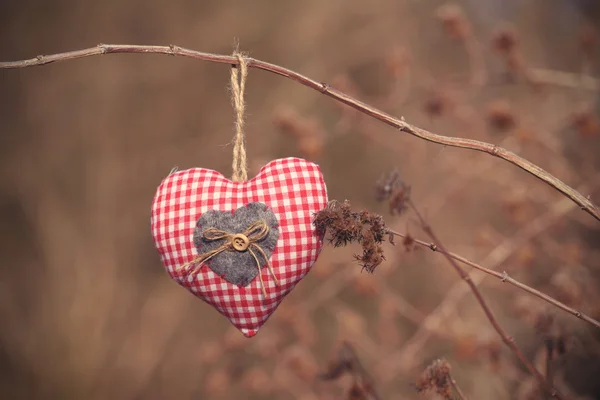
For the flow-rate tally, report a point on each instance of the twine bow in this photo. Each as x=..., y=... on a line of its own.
x=246, y=241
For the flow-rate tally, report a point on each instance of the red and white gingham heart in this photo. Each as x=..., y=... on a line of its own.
x=293, y=188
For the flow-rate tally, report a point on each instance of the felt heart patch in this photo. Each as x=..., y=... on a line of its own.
x=255, y=239
x=237, y=267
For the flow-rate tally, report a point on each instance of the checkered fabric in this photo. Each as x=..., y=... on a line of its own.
x=293, y=188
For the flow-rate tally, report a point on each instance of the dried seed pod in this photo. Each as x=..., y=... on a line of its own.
x=504, y=40
x=500, y=115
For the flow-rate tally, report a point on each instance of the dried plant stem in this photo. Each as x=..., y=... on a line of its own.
x=565, y=79
x=437, y=377
x=509, y=341
x=456, y=388
x=324, y=88
x=404, y=358
x=504, y=277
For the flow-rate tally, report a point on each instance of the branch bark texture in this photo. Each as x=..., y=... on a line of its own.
x=399, y=123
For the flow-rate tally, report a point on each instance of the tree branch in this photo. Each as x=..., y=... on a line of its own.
x=404, y=358
x=509, y=341
x=459, y=393
x=565, y=79
x=504, y=277
x=324, y=88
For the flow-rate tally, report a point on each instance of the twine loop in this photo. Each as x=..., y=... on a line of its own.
x=245, y=241
x=257, y=231
x=238, y=86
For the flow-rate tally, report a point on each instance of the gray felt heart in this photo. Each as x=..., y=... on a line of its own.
x=237, y=266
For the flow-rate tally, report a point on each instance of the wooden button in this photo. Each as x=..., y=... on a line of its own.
x=240, y=242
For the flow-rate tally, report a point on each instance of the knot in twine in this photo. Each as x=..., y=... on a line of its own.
x=238, y=85
x=245, y=241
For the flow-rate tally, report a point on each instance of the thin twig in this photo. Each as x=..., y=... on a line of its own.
x=404, y=358
x=509, y=341
x=456, y=388
x=437, y=377
x=324, y=88
x=565, y=79
x=504, y=277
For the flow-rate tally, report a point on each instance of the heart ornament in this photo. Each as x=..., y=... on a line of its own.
x=240, y=246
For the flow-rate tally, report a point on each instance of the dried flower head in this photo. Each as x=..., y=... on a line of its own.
x=391, y=188
x=436, y=377
x=399, y=201
x=356, y=392
x=504, y=40
x=505, y=43
x=372, y=254
x=586, y=123
x=501, y=116
x=438, y=102
x=387, y=184
x=345, y=226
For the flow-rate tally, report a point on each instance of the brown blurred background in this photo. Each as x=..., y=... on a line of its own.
x=86, y=310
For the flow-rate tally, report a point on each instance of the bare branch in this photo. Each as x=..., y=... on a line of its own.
x=504, y=277
x=509, y=341
x=437, y=377
x=456, y=388
x=565, y=79
x=404, y=358
x=400, y=124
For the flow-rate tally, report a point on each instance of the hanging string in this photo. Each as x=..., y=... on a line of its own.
x=248, y=240
x=238, y=85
